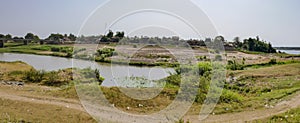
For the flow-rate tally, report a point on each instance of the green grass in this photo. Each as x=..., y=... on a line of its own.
x=251, y=52
x=291, y=116
x=37, y=49
x=258, y=87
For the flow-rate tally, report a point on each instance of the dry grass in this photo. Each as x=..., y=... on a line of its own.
x=14, y=66
x=17, y=111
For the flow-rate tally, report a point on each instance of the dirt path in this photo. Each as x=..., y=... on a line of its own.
x=73, y=104
x=250, y=115
x=231, y=117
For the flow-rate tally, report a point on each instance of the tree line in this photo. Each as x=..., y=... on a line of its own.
x=254, y=44
x=250, y=44
x=33, y=37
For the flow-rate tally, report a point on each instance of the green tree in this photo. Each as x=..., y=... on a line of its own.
x=237, y=43
x=2, y=36
x=120, y=35
x=8, y=36
x=251, y=44
x=29, y=36
x=55, y=37
x=72, y=37
x=110, y=34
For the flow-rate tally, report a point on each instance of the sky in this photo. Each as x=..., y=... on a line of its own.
x=276, y=21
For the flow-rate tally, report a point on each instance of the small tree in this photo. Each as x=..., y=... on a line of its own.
x=29, y=36
x=110, y=34
x=8, y=36
x=72, y=37
x=99, y=78
x=32, y=37
x=120, y=35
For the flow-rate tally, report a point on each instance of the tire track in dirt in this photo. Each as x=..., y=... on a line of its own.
x=73, y=104
x=229, y=117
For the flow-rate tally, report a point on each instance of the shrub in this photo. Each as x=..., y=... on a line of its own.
x=55, y=49
x=230, y=96
x=34, y=75
x=204, y=67
x=53, y=78
x=174, y=80
x=233, y=65
x=99, y=78
x=106, y=52
x=272, y=61
x=58, y=78
x=218, y=58
x=134, y=46
x=203, y=89
x=90, y=75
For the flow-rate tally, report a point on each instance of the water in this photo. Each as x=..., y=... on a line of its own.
x=296, y=52
x=111, y=73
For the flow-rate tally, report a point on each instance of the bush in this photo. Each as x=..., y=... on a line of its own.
x=90, y=75
x=34, y=75
x=204, y=67
x=203, y=89
x=230, y=96
x=53, y=79
x=105, y=52
x=218, y=58
x=174, y=80
x=272, y=61
x=55, y=49
x=99, y=78
x=233, y=65
x=58, y=78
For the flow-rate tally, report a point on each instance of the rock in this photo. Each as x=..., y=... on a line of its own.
x=140, y=105
x=128, y=108
x=20, y=83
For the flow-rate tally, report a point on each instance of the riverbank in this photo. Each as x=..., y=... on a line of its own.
x=77, y=52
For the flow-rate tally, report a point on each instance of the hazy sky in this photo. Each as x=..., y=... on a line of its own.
x=277, y=21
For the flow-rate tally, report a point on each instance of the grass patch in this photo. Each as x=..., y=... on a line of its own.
x=291, y=116
x=53, y=50
x=14, y=66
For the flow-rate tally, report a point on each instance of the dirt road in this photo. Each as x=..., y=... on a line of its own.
x=68, y=103
x=230, y=117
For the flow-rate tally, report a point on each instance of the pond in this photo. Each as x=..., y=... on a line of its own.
x=295, y=52
x=111, y=73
